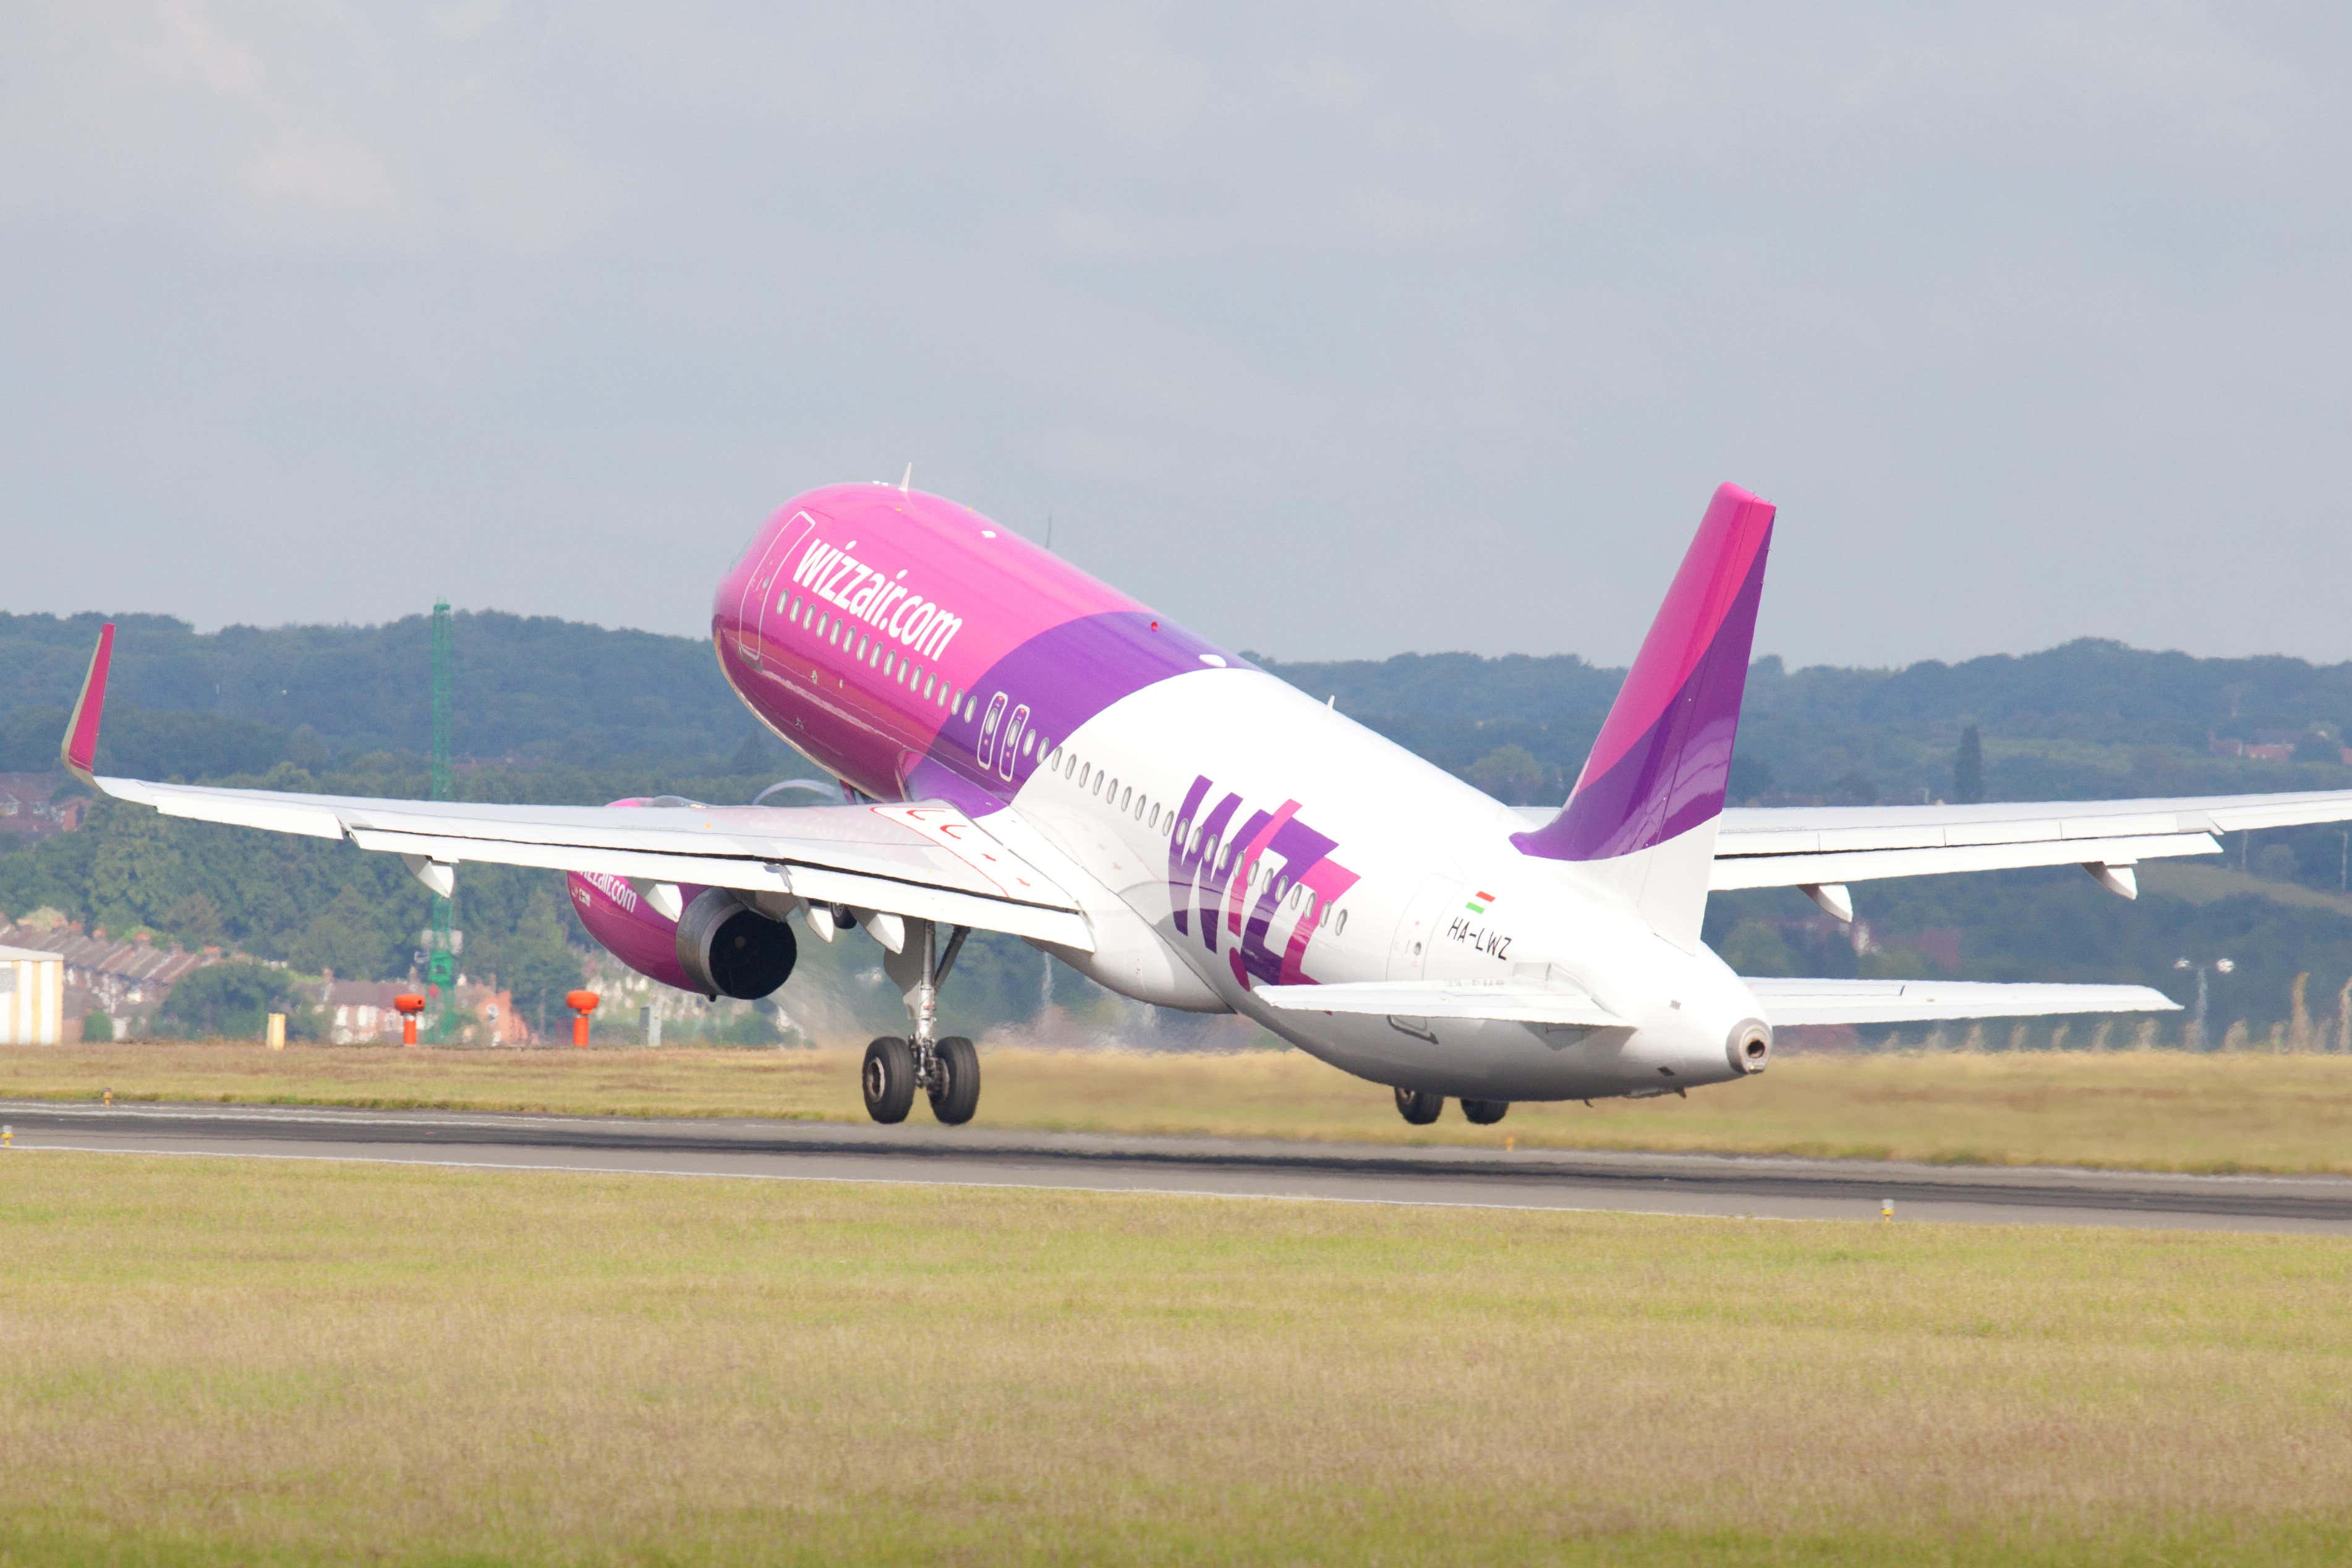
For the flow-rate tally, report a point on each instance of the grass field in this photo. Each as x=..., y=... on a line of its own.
x=218, y=1360
x=2155, y=1109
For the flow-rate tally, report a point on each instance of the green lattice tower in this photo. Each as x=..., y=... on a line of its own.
x=441, y=946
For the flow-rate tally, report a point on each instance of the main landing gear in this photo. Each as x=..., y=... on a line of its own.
x=1421, y=1107
x=948, y=1070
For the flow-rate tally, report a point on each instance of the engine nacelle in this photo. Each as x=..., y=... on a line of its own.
x=720, y=957
x=726, y=948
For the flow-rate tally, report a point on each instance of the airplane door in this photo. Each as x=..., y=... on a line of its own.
x=1010, y=753
x=1418, y=929
x=759, y=601
x=983, y=750
x=1409, y=950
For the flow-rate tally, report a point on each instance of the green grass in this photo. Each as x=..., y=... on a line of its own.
x=2153, y=1109
x=218, y=1360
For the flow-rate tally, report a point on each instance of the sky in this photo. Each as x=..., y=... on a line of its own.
x=1331, y=331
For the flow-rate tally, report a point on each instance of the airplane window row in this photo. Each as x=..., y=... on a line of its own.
x=1124, y=798
x=837, y=632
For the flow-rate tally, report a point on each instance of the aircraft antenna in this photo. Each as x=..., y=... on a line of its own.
x=906, y=478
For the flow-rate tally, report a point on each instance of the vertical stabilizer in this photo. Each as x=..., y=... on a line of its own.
x=1644, y=809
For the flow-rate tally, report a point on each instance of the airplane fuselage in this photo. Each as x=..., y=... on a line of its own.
x=1222, y=830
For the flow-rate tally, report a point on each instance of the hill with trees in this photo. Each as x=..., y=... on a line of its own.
x=562, y=713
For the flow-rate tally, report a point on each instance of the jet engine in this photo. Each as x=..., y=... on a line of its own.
x=729, y=949
x=705, y=940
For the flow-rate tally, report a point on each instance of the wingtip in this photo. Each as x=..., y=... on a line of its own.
x=78, y=751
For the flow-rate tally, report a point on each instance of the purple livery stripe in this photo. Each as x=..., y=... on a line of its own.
x=1663, y=755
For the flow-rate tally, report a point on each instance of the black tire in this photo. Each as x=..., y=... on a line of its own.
x=956, y=1094
x=888, y=1079
x=1419, y=1106
x=1485, y=1112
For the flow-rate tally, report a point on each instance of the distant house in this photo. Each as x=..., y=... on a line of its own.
x=128, y=979
x=28, y=806
x=359, y=1011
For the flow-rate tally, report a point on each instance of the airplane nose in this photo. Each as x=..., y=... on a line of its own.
x=1750, y=1046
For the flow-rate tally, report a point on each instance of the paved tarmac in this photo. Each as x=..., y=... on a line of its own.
x=916, y=1152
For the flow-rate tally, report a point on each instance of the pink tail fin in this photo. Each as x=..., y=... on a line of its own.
x=1663, y=757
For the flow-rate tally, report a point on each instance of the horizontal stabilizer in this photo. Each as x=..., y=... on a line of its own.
x=1920, y=1001
x=1508, y=1001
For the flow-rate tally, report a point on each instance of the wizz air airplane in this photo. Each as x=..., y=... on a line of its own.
x=1027, y=749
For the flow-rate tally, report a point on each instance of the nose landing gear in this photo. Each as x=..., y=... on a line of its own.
x=948, y=1070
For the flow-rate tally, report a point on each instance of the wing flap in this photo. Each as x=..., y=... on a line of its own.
x=1503, y=1001
x=1793, y=1002
x=1798, y=870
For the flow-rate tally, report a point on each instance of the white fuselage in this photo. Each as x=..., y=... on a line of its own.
x=1438, y=893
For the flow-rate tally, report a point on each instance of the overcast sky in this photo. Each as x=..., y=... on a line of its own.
x=1343, y=331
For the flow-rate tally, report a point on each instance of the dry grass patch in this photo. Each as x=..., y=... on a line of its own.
x=218, y=1360
x=2151, y=1110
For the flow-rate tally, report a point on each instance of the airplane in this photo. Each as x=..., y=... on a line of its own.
x=1026, y=749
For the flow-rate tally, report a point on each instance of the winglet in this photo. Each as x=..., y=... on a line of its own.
x=80, y=748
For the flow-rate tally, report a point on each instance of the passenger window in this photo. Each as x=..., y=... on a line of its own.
x=1086, y=772
x=1126, y=799
x=971, y=709
x=1028, y=745
x=1339, y=926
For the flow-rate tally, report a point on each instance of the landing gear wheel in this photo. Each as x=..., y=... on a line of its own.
x=1485, y=1112
x=1419, y=1106
x=888, y=1079
x=955, y=1080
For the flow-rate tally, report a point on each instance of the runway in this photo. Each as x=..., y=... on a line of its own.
x=1724, y=1185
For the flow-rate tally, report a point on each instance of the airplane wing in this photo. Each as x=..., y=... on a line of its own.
x=1919, y=1001
x=925, y=859
x=1792, y=846
x=1503, y=1001
x=1829, y=845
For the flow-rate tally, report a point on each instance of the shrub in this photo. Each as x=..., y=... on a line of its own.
x=229, y=1001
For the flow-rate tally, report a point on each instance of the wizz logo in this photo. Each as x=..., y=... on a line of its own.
x=1212, y=865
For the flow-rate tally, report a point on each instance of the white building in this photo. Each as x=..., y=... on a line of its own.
x=32, y=998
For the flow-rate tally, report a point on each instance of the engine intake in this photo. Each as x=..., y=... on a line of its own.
x=729, y=949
